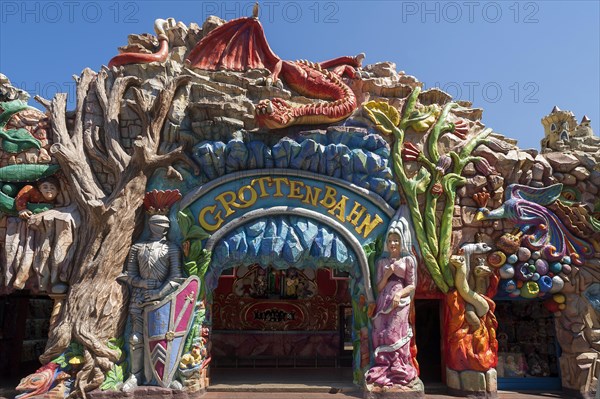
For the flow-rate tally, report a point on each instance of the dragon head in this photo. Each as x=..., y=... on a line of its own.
x=38, y=382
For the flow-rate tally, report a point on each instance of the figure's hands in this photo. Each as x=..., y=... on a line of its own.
x=388, y=271
x=150, y=284
x=25, y=214
x=152, y=295
x=396, y=299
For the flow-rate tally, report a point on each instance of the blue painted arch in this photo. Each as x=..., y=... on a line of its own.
x=231, y=245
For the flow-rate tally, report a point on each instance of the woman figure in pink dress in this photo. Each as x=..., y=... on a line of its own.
x=391, y=329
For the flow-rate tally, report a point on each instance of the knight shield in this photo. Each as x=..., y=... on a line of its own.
x=167, y=324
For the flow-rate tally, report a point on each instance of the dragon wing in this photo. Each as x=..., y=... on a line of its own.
x=542, y=196
x=237, y=45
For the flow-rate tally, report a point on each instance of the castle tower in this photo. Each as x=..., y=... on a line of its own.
x=558, y=127
x=584, y=129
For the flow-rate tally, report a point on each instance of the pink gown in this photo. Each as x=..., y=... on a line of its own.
x=391, y=328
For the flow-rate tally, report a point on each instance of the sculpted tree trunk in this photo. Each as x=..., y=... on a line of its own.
x=95, y=307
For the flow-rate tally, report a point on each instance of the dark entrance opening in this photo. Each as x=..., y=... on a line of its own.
x=24, y=322
x=429, y=338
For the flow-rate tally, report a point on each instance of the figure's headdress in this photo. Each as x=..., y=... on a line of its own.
x=400, y=225
x=395, y=227
x=159, y=202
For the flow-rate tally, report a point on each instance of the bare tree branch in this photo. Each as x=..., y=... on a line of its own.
x=112, y=136
x=178, y=154
x=111, y=108
x=139, y=106
x=73, y=162
x=93, y=150
x=83, y=86
x=45, y=103
x=137, y=167
x=162, y=104
x=101, y=91
x=57, y=109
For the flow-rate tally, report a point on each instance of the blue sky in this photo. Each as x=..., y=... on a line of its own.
x=515, y=59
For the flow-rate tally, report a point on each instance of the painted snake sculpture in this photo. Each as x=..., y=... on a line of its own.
x=475, y=306
x=479, y=304
x=240, y=45
x=471, y=326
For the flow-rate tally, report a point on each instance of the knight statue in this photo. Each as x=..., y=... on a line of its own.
x=152, y=272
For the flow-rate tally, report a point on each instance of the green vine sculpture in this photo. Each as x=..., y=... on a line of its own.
x=196, y=259
x=196, y=262
x=437, y=175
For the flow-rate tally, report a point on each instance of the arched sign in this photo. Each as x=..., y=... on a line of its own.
x=362, y=213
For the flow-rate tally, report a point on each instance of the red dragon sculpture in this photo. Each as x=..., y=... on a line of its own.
x=140, y=58
x=240, y=45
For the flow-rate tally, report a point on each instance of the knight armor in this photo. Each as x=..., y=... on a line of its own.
x=152, y=261
x=153, y=271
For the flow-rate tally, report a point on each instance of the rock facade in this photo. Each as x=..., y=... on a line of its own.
x=213, y=119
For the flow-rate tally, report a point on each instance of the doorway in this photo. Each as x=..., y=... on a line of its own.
x=428, y=335
x=264, y=317
x=528, y=351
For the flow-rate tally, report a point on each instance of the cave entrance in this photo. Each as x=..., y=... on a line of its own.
x=428, y=334
x=24, y=324
x=288, y=290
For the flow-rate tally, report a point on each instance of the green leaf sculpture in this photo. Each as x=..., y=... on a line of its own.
x=114, y=377
x=9, y=108
x=196, y=262
x=15, y=141
x=27, y=172
x=433, y=179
